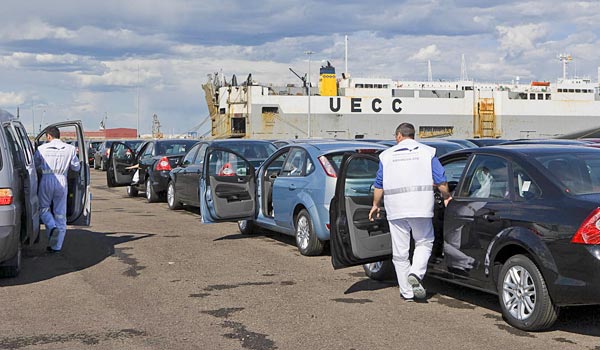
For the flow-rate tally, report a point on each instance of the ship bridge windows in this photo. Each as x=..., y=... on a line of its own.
x=270, y=110
x=222, y=111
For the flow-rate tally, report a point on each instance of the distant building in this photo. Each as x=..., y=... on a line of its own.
x=105, y=134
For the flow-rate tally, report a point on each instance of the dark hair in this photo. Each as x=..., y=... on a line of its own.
x=54, y=132
x=406, y=130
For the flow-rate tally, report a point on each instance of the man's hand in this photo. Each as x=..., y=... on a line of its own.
x=447, y=201
x=374, y=211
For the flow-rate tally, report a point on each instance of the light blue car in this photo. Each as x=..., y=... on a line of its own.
x=290, y=192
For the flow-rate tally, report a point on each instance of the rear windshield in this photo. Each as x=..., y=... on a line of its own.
x=579, y=173
x=173, y=147
x=361, y=168
x=250, y=151
x=134, y=144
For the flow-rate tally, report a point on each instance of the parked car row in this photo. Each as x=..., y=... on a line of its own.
x=524, y=222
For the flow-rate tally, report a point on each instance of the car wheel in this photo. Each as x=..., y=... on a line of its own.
x=306, y=240
x=151, y=196
x=132, y=191
x=172, y=200
x=12, y=267
x=380, y=270
x=523, y=295
x=246, y=227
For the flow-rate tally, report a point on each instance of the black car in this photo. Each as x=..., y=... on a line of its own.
x=488, y=142
x=524, y=223
x=101, y=155
x=441, y=146
x=547, y=142
x=185, y=178
x=152, y=161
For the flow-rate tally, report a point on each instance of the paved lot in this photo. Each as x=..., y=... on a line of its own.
x=144, y=277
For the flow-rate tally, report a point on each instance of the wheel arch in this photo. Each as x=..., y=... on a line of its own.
x=520, y=240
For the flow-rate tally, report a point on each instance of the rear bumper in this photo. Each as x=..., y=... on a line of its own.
x=9, y=232
x=160, y=181
x=579, y=284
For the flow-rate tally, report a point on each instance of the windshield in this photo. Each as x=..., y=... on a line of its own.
x=579, y=172
x=134, y=144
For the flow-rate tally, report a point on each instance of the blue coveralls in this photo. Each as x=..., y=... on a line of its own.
x=54, y=160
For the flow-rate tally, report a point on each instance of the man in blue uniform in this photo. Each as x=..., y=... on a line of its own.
x=407, y=173
x=54, y=159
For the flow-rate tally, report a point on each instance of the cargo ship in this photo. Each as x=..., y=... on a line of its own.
x=371, y=108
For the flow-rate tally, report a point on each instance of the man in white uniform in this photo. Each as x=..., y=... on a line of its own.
x=54, y=159
x=407, y=173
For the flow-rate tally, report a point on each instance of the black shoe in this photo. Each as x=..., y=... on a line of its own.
x=52, y=250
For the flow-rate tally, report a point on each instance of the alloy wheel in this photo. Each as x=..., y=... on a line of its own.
x=519, y=293
x=302, y=232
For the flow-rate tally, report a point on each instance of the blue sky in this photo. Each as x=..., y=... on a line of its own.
x=65, y=59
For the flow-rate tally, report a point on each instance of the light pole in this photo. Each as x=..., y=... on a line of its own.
x=308, y=53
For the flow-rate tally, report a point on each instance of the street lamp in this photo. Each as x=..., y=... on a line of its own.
x=308, y=53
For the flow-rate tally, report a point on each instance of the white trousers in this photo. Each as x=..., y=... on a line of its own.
x=422, y=233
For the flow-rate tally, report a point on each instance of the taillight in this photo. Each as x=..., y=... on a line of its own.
x=6, y=196
x=328, y=227
x=107, y=152
x=589, y=231
x=163, y=164
x=329, y=170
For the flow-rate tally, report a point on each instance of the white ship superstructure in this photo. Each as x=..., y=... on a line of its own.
x=372, y=108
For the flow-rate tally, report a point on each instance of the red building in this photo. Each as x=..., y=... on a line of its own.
x=106, y=134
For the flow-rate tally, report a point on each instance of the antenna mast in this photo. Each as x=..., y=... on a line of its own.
x=463, y=69
x=565, y=58
x=429, y=73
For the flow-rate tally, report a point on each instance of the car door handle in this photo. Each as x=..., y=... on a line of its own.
x=292, y=187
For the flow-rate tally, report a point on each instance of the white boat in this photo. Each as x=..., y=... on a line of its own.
x=371, y=108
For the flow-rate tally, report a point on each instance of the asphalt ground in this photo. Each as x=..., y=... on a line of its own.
x=145, y=277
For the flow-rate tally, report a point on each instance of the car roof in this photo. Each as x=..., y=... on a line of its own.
x=528, y=149
x=340, y=146
x=240, y=141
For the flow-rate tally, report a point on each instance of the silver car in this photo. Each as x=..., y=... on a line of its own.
x=19, y=204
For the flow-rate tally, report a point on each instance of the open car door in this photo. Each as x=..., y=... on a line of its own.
x=120, y=158
x=355, y=240
x=79, y=205
x=227, y=187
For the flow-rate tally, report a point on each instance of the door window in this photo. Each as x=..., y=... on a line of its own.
x=26, y=143
x=189, y=157
x=201, y=154
x=274, y=167
x=223, y=163
x=360, y=176
x=487, y=177
x=148, y=151
x=525, y=187
x=295, y=164
x=14, y=146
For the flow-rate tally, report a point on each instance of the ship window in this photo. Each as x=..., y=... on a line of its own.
x=540, y=96
x=238, y=125
x=560, y=90
x=532, y=96
x=578, y=90
x=368, y=86
x=270, y=110
x=548, y=97
x=360, y=86
x=221, y=110
x=571, y=90
x=385, y=86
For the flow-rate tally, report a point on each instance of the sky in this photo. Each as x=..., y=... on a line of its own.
x=117, y=60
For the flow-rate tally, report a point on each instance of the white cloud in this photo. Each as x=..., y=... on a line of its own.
x=33, y=29
x=517, y=39
x=426, y=53
x=11, y=98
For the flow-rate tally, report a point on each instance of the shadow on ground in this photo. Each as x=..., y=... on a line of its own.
x=82, y=249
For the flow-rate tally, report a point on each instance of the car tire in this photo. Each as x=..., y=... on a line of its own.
x=12, y=267
x=246, y=227
x=132, y=191
x=524, y=297
x=380, y=270
x=151, y=196
x=306, y=240
x=172, y=200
